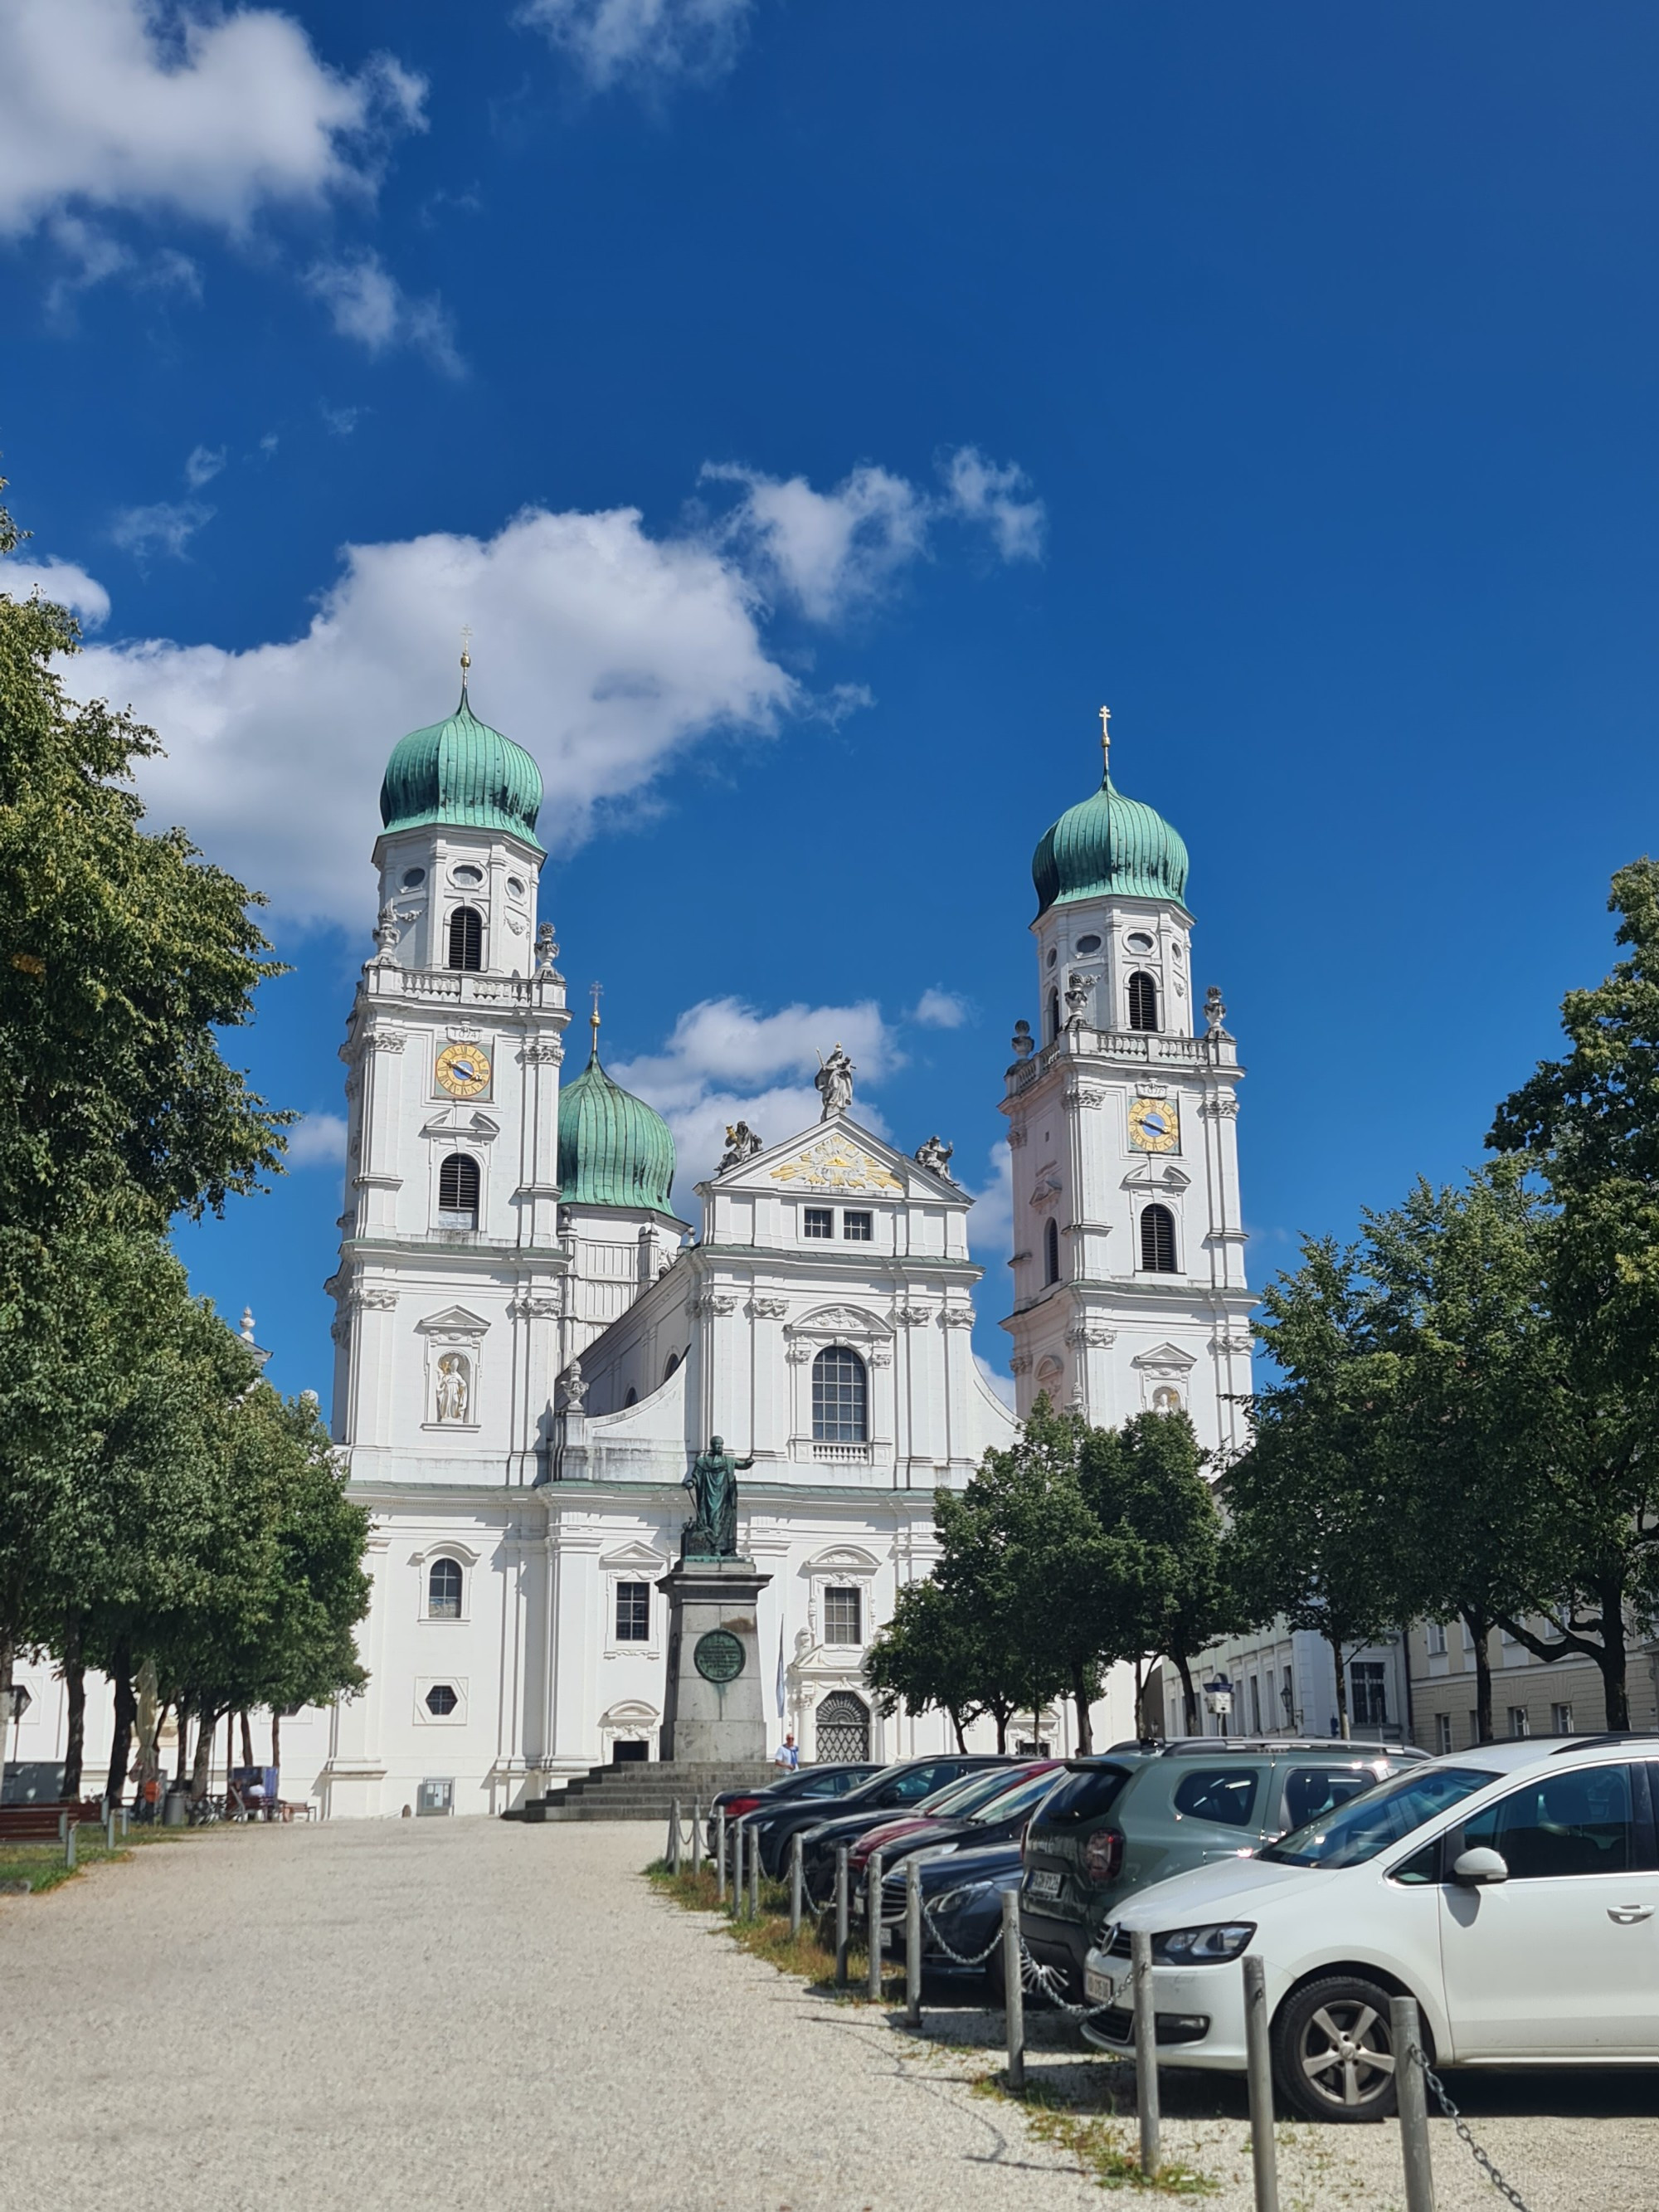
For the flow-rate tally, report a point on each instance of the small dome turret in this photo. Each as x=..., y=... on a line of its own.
x=614, y=1150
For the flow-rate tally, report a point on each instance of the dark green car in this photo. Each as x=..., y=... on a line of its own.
x=1146, y=1811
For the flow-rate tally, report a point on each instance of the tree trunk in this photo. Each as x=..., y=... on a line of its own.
x=1002, y=1733
x=8, y=1733
x=181, y=1764
x=75, y=1688
x=1479, y=1630
x=276, y=1739
x=126, y=1712
x=1615, y=1695
x=247, y=1741
x=201, y=1773
x=1188, y=1691
x=1343, y=1723
x=1086, y=1735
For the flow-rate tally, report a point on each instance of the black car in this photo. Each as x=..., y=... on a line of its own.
x=926, y=1786
x=904, y=1785
x=811, y=1783
x=962, y=1911
x=971, y=1815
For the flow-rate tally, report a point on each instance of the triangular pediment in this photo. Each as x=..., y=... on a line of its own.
x=638, y=1557
x=454, y=1320
x=837, y=1156
x=456, y=1121
x=1167, y=1359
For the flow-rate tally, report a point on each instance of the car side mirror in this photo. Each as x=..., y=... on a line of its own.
x=1480, y=1866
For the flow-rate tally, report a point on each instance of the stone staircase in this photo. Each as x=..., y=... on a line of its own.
x=641, y=1790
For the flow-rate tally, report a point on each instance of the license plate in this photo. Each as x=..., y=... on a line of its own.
x=1043, y=1884
x=1099, y=1988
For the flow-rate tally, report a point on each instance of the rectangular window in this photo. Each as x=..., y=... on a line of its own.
x=1560, y=1720
x=1368, y=1690
x=1436, y=1639
x=1519, y=1722
x=844, y=1616
x=858, y=1228
x=1287, y=1698
x=633, y=1613
x=817, y=1221
x=1442, y=1733
x=1255, y=1704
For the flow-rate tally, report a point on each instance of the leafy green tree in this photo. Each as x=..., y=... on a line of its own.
x=935, y=1655
x=1588, y=1124
x=1310, y=1535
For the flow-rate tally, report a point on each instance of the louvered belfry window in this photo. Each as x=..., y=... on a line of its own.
x=457, y=1191
x=1143, y=1000
x=466, y=938
x=1158, y=1240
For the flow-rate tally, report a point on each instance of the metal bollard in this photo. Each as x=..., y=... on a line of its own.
x=720, y=1855
x=696, y=1838
x=796, y=1880
x=913, y=1944
x=1411, y=2092
x=872, y=1924
x=125, y=1818
x=841, y=1933
x=109, y=1828
x=674, y=1836
x=1258, y=2067
x=1014, y=1992
x=737, y=1869
x=69, y=1840
x=1146, y=2051
x=754, y=1875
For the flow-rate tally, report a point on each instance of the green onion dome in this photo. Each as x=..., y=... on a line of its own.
x=613, y=1149
x=461, y=771
x=1108, y=844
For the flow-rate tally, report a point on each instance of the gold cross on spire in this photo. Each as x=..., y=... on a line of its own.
x=594, y=1018
x=1106, y=741
x=467, y=649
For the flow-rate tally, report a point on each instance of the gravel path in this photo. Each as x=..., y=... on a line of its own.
x=423, y=2013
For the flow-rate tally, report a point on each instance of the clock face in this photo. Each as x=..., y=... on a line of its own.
x=1154, y=1124
x=463, y=1070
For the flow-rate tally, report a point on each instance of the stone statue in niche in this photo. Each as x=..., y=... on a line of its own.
x=1024, y=1043
x=741, y=1143
x=1166, y=1399
x=454, y=1387
x=833, y=1082
x=935, y=1156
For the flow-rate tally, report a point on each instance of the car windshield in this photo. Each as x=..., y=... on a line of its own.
x=1368, y=1824
x=1031, y=1790
x=965, y=1795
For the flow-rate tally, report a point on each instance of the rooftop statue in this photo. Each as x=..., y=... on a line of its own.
x=712, y=1531
x=834, y=1081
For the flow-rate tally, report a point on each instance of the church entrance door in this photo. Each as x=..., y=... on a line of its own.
x=843, y=1731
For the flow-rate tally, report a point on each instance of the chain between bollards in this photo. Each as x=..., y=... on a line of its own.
x=1259, y=2067
x=913, y=1944
x=1146, y=2051
x=1407, y=2037
x=873, y=1926
x=797, y=1882
x=1014, y=1992
x=841, y=1926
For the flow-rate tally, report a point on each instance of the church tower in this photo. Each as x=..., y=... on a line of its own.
x=449, y=1296
x=1128, y=1267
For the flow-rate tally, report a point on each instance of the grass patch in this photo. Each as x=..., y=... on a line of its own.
x=1105, y=2148
x=769, y=1937
x=41, y=1865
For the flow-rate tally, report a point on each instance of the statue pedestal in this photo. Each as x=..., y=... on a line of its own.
x=714, y=1707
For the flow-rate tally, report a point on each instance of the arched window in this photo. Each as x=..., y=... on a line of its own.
x=1143, y=1001
x=466, y=938
x=844, y=1728
x=1053, y=1016
x=632, y=1397
x=457, y=1192
x=1050, y=1252
x=1157, y=1246
x=443, y=1590
x=673, y=1363
x=839, y=1398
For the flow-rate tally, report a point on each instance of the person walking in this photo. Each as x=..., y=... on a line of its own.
x=786, y=1754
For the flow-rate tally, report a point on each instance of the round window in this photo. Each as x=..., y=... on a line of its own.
x=1176, y=951
x=1139, y=941
x=1053, y=954
x=515, y=884
x=467, y=875
x=413, y=876
x=1088, y=945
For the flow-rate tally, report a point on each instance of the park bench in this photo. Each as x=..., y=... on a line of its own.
x=36, y=1823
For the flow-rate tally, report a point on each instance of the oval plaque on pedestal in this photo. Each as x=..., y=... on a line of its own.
x=718, y=1656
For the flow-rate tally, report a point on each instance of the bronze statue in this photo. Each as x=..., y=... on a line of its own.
x=712, y=1531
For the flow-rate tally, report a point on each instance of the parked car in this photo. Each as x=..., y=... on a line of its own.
x=1513, y=1890
x=1147, y=1811
x=887, y=1790
x=804, y=1783
x=956, y=1793
x=981, y=1809
x=961, y=1894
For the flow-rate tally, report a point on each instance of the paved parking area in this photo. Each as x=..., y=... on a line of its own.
x=423, y=2013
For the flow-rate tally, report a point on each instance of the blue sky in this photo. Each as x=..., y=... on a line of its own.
x=817, y=412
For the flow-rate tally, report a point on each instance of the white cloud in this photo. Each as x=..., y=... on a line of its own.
x=62, y=581
x=830, y=552
x=89, y=256
x=725, y=1062
x=991, y=1223
x=167, y=527
x=368, y=304
x=203, y=465
x=648, y=41
x=985, y=492
x=339, y=422
x=940, y=1010
x=318, y=1141
x=604, y=651
x=1002, y=1384
x=209, y=113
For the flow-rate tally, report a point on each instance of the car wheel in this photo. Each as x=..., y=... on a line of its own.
x=1334, y=2050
